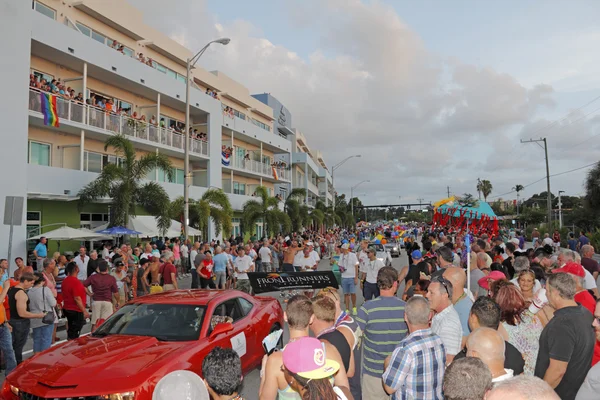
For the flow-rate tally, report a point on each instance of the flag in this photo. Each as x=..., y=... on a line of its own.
x=49, y=109
x=225, y=158
x=275, y=176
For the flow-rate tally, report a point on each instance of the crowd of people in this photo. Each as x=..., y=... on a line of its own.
x=521, y=318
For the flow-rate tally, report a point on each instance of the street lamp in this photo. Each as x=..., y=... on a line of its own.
x=351, y=194
x=336, y=166
x=186, y=168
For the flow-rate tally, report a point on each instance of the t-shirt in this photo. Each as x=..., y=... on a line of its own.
x=42, y=250
x=572, y=243
x=315, y=256
x=446, y=324
x=220, y=262
x=463, y=308
x=71, y=288
x=371, y=268
x=103, y=286
x=243, y=264
x=590, y=264
x=206, y=268
x=591, y=385
x=476, y=275
x=586, y=300
x=568, y=337
x=184, y=251
x=347, y=264
x=583, y=240
x=166, y=270
x=382, y=322
x=265, y=254
x=306, y=263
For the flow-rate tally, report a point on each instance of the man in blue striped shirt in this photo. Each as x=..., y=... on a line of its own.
x=382, y=322
x=415, y=370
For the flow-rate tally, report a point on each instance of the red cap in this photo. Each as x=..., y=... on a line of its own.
x=571, y=268
x=492, y=277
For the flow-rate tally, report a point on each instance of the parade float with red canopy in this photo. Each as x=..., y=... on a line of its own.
x=476, y=217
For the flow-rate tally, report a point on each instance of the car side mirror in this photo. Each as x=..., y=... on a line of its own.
x=223, y=327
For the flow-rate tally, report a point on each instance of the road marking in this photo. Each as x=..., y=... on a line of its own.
x=59, y=342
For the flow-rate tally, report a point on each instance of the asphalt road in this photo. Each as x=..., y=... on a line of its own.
x=251, y=381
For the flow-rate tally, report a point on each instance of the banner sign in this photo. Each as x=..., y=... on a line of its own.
x=263, y=282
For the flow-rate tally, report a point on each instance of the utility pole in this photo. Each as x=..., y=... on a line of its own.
x=478, y=190
x=420, y=201
x=560, y=209
x=549, y=196
x=448, y=187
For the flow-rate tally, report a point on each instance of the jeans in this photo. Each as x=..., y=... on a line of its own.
x=19, y=337
x=75, y=322
x=370, y=291
x=194, y=279
x=42, y=338
x=7, y=348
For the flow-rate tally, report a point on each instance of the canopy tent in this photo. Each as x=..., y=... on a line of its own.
x=118, y=231
x=68, y=233
x=148, y=227
x=479, y=217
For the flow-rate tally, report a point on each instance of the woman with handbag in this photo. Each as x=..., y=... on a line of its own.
x=41, y=300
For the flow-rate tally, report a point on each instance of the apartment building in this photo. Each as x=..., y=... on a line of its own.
x=94, y=47
x=308, y=167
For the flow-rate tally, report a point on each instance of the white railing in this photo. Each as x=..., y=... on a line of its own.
x=261, y=168
x=122, y=124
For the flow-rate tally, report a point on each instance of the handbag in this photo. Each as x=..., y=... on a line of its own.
x=48, y=319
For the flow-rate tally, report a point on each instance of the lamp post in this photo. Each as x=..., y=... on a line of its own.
x=336, y=166
x=352, y=192
x=186, y=168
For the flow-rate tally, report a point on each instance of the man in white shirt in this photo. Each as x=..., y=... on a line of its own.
x=106, y=251
x=82, y=261
x=363, y=255
x=368, y=275
x=446, y=322
x=147, y=252
x=348, y=265
x=266, y=257
x=313, y=253
x=184, y=253
x=307, y=262
x=488, y=345
x=242, y=265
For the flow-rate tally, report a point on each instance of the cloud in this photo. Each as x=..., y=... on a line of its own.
x=372, y=87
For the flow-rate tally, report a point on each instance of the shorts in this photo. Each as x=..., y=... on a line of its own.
x=244, y=285
x=348, y=285
x=267, y=267
x=168, y=286
x=101, y=310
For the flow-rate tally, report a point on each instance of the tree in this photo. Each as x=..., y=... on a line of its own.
x=214, y=204
x=121, y=183
x=330, y=218
x=592, y=187
x=293, y=208
x=485, y=187
x=519, y=188
x=267, y=208
x=532, y=216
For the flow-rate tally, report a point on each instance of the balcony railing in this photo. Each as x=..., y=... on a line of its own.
x=261, y=168
x=122, y=124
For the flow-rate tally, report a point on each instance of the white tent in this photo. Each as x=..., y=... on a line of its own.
x=148, y=226
x=68, y=233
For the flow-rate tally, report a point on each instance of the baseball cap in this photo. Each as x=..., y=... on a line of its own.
x=416, y=254
x=515, y=241
x=306, y=357
x=345, y=246
x=492, y=277
x=571, y=268
x=119, y=263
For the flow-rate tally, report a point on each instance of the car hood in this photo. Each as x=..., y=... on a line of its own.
x=99, y=359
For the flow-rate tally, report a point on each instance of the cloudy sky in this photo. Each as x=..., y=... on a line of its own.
x=430, y=93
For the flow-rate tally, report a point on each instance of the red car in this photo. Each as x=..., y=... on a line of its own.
x=145, y=340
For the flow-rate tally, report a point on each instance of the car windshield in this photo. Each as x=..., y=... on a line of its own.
x=166, y=322
x=377, y=246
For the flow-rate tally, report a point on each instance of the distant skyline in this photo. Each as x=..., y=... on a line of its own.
x=431, y=93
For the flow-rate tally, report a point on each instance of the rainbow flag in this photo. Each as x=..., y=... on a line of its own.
x=49, y=109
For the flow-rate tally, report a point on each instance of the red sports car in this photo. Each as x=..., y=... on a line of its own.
x=145, y=340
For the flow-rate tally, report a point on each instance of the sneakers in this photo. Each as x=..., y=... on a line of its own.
x=354, y=311
x=347, y=311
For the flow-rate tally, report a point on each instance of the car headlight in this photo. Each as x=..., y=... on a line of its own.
x=395, y=249
x=15, y=390
x=119, y=396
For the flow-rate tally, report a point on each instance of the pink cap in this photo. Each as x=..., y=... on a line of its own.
x=306, y=357
x=492, y=277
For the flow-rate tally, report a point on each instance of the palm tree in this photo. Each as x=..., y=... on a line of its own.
x=592, y=187
x=267, y=208
x=329, y=217
x=485, y=187
x=121, y=182
x=293, y=207
x=519, y=188
x=317, y=217
x=214, y=204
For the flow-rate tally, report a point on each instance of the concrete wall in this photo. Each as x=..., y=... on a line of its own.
x=15, y=28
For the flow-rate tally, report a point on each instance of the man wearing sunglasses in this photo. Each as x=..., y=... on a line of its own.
x=445, y=322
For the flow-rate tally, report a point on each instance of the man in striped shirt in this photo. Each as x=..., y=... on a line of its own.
x=415, y=370
x=382, y=322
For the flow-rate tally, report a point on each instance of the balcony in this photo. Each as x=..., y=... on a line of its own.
x=119, y=124
x=250, y=130
x=260, y=168
x=313, y=188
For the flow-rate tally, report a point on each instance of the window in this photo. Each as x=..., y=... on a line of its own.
x=44, y=9
x=34, y=216
x=98, y=37
x=41, y=75
x=171, y=73
x=229, y=308
x=179, y=176
x=92, y=162
x=84, y=29
x=181, y=78
x=245, y=305
x=239, y=188
x=39, y=153
x=261, y=125
x=266, y=160
x=108, y=159
x=240, y=152
x=239, y=114
x=125, y=106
